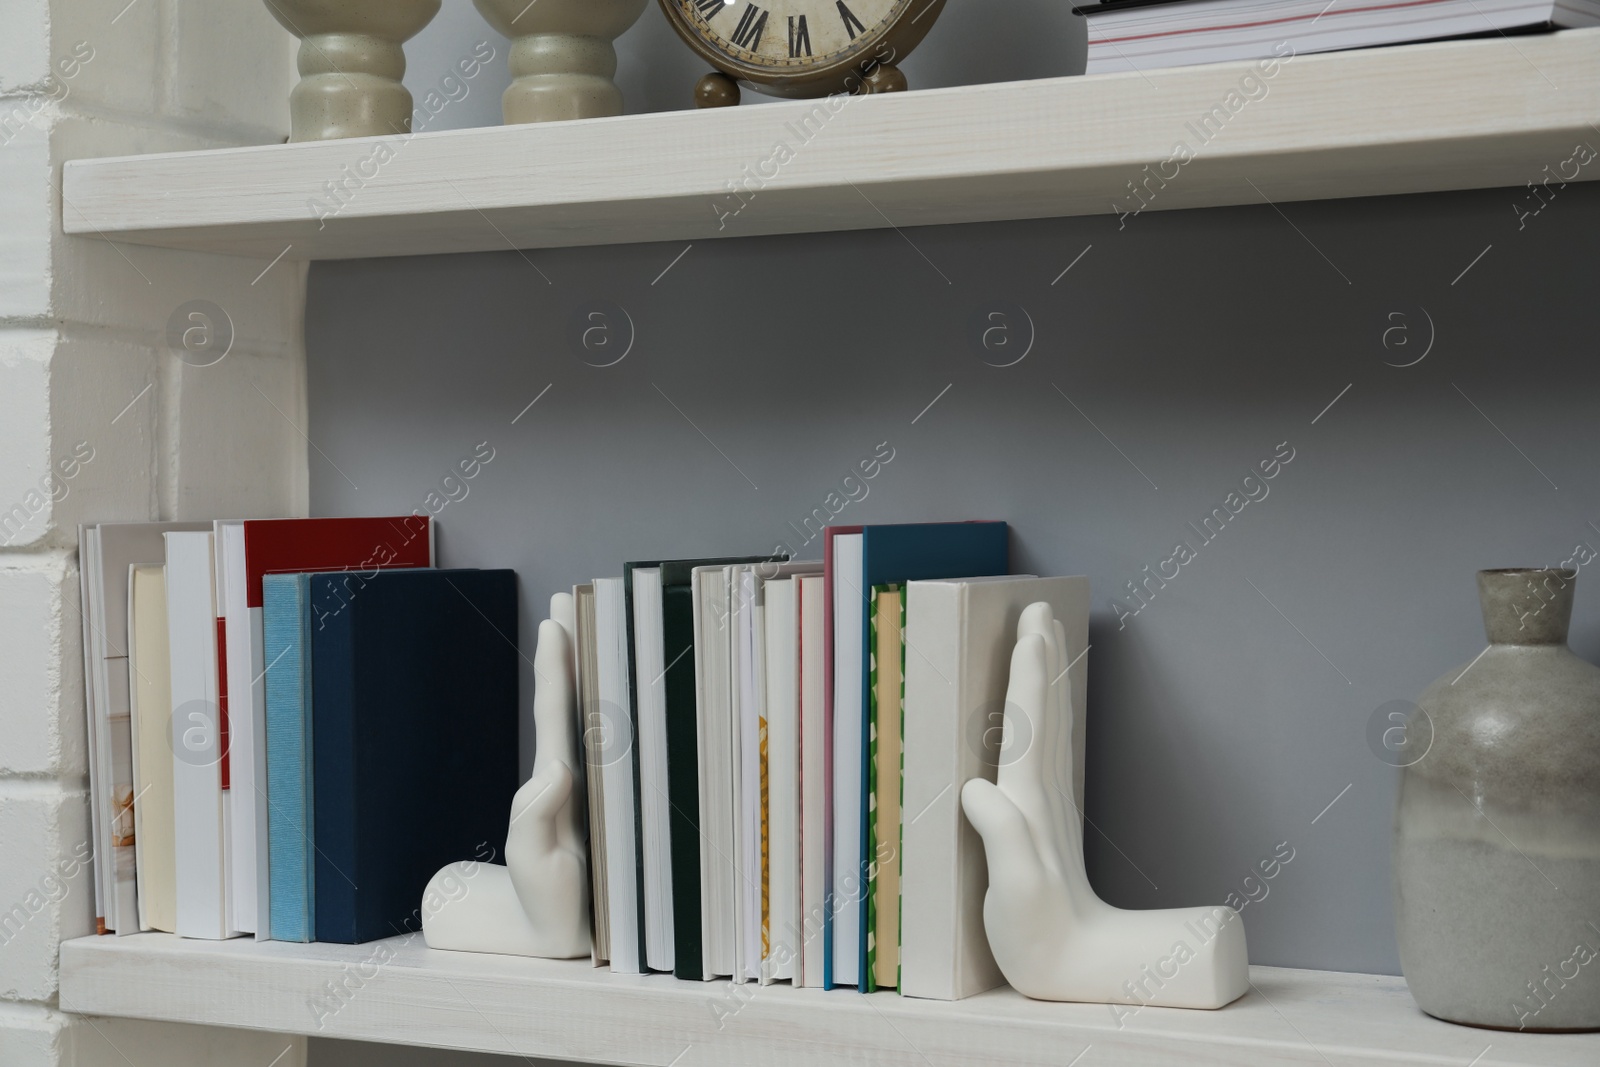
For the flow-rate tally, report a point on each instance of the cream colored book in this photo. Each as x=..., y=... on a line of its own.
x=152, y=754
x=959, y=635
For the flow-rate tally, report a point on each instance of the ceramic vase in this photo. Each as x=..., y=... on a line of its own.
x=350, y=65
x=562, y=60
x=1497, y=826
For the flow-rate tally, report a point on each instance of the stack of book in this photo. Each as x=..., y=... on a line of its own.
x=282, y=711
x=1149, y=34
x=775, y=751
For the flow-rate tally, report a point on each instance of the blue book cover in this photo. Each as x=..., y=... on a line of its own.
x=906, y=553
x=286, y=632
x=414, y=735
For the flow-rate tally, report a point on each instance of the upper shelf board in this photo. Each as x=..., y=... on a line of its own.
x=1451, y=115
x=403, y=992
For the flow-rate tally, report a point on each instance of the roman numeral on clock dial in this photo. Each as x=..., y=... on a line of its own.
x=752, y=24
x=799, y=37
x=852, y=24
x=805, y=33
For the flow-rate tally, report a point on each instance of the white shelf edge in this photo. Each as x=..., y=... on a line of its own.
x=402, y=992
x=1450, y=115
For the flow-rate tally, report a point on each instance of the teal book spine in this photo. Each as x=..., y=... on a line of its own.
x=286, y=633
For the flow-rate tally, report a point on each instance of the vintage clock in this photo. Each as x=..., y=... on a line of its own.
x=800, y=47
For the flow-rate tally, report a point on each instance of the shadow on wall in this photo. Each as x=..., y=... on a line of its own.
x=323, y=1052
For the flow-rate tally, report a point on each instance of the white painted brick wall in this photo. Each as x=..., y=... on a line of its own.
x=86, y=369
x=41, y=670
x=46, y=885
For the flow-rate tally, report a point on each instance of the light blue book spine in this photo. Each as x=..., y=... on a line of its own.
x=286, y=632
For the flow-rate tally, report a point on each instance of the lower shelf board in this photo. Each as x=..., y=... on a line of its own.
x=401, y=991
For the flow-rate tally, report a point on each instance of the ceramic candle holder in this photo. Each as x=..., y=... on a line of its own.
x=350, y=65
x=561, y=58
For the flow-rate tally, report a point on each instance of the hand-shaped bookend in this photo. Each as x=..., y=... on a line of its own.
x=538, y=903
x=1052, y=937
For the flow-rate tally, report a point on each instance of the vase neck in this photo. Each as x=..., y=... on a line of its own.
x=1527, y=606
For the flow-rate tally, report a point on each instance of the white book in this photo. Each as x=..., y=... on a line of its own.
x=622, y=855
x=200, y=810
x=781, y=728
x=116, y=547
x=88, y=550
x=1146, y=37
x=849, y=607
x=115, y=859
x=137, y=816
x=655, y=810
x=248, y=889
x=959, y=638
x=150, y=665
x=813, y=781
x=744, y=688
x=719, y=871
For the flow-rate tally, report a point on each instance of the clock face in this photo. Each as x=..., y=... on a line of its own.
x=790, y=35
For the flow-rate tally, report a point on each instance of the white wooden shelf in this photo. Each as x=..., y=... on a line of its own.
x=1456, y=115
x=407, y=993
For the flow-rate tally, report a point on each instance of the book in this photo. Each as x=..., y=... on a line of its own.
x=691, y=956
x=719, y=861
x=898, y=553
x=843, y=615
x=245, y=790
x=286, y=636
x=813, y=781
x=621, y=842
x=747, y=675
x=88, y=550
x=780, y=775
x=358, y=546
x=151, y=675
x=1149, y=34
x=109, y=550
x=414, y=707
x=883, y=839
x=752, y=693
x=690, y=960
x=746, y=631
x=649, y=714
x=200, y=804
x=960, y=635
x=594, y=752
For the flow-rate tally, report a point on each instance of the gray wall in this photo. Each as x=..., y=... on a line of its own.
x=1224, y=717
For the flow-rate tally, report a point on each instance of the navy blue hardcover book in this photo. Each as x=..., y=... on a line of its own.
x=414, y=735
x=904, y=553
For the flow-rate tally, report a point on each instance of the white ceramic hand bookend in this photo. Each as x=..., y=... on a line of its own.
x=1052, y=937
x=538, y=903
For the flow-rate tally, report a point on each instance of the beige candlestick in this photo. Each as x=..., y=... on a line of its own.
x=350, y=65
x=562, y=60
